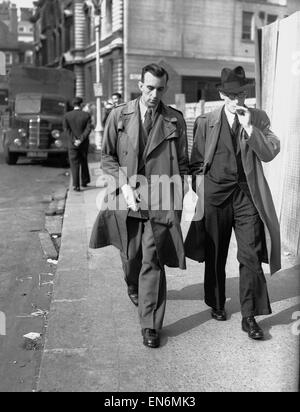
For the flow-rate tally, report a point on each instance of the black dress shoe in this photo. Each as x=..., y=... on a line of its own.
x=150, y=338
x=76, y=189
x=133, y=296
x=219, y=314
x=250, y=326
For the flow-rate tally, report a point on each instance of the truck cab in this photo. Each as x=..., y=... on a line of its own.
x=37, y=103
x=35, y=127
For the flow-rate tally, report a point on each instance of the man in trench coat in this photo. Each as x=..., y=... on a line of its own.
x=229, y=145
x=145, y=154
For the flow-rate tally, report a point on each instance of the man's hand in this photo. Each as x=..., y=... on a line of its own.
x=77, y=143
x=132, y=198
x=244, y=117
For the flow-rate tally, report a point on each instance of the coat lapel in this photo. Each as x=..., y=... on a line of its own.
x=212, y=139
x=131, y=119
x=165, y=127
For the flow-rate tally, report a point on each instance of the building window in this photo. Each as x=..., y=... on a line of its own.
x=89, y=25
x=108, y=17
x=68, y=34
x=271, y=18
x=248, y=26
x=28, y=57
x=8, y=58
x=21, y=29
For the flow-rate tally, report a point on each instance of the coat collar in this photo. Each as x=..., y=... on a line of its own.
x=164, y=127
x=214, y=123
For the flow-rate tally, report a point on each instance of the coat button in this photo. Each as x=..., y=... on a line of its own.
x=125, y=153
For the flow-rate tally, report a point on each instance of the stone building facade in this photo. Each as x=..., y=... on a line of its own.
x=13, y=44
x=193, y=39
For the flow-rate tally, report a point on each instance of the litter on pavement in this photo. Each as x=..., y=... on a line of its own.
x=52, y=261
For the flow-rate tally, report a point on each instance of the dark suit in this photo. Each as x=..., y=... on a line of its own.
x=78, y=125
x=236, y=195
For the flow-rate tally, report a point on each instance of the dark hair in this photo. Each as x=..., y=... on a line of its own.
x=117, y=94
x=77, y=101
x=156, y=70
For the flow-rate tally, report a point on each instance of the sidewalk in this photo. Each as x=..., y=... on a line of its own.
x=94, y=343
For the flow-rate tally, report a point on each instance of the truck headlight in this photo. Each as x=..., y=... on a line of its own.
x=18, y=142
x=22, y=133
x=55, y=134
x=58, y=143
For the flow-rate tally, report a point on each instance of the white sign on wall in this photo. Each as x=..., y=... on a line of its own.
x=2, y=64
x=2, y=324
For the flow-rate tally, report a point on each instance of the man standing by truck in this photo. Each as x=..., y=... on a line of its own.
x=78, y=125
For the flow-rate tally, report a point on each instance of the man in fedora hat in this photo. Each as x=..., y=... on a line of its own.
x=229, y=145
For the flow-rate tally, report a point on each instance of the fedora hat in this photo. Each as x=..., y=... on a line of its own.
x=233, y=81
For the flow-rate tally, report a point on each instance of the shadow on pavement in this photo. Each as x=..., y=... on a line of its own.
x=284, y=285
x=186, y=324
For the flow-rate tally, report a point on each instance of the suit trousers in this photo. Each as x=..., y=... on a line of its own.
x=78, y=158
x=237, y=212
x=143, y=270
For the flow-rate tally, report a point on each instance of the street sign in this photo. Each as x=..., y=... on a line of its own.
x=135, y=76
x=2, y=64
x=98, y=89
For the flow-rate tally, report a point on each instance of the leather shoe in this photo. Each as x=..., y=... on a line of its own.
x=150, y=338
x=133, y=296
x=250, y=326
x=76, y=189
x=219, y=314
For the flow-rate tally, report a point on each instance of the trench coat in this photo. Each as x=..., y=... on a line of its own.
x=261, y=146
x=165, y=155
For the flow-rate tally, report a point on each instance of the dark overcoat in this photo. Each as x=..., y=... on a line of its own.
x=165, y=156
x=261, y=146
x=77, y=126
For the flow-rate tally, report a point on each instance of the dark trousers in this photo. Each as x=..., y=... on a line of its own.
x=143, y=270
x=237, y=212
x=78, y=158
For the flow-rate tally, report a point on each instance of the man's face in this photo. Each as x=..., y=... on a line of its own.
x=115, y=99
x=153, y=88
x=232, y=100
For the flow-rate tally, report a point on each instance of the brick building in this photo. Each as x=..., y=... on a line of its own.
x=193, y=39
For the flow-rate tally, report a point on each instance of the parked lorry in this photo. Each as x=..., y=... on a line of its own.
x=38, y=99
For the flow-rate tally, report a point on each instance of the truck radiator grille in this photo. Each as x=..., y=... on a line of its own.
x=39, y=134
x=34, y=133
x=45, y=134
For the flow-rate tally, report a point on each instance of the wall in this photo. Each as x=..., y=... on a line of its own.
x=170, y=28
x=281, y=99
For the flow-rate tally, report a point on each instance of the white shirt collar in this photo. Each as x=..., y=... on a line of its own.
x=230, y=117
x=144, y=108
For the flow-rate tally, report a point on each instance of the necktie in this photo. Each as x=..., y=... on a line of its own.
x=236, y=124
x=235, y=129
x=148, y=121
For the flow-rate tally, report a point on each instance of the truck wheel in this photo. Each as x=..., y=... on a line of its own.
x=10, y=157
